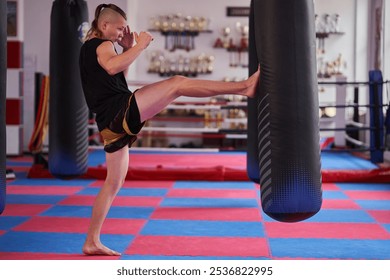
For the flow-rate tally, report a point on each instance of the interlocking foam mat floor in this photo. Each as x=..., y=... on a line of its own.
x=170, y=219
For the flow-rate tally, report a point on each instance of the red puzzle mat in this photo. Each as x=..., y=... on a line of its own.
x=222, y=166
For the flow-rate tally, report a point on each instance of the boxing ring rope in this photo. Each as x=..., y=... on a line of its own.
x=343, y=125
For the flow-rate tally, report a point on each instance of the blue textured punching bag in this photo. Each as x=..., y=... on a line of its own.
x=3, y=79
x=287, y=112
x=68, y=115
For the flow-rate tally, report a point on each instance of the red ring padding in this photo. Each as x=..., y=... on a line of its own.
x=218, y=173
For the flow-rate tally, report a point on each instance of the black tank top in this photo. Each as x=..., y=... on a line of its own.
x=105, y=94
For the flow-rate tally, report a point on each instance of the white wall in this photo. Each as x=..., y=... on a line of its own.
x=336, y=44
x=37, y=28
x=214, y=10
x=353, y=44
x=361, y=40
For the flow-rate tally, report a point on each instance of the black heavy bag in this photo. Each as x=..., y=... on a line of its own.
x=68, y=116
x=288, y=123
x=377, y=136
x=252, y=160
x=3, y=79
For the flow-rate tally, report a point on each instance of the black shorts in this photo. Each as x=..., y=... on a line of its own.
x=123, y=129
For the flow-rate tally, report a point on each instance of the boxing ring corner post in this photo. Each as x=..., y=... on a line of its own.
x=3, y=80
x=289, y=164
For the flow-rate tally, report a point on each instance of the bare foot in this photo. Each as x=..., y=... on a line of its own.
x=253, y=81
x=99, y=249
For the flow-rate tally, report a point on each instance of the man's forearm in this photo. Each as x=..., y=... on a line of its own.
x=121, y=62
